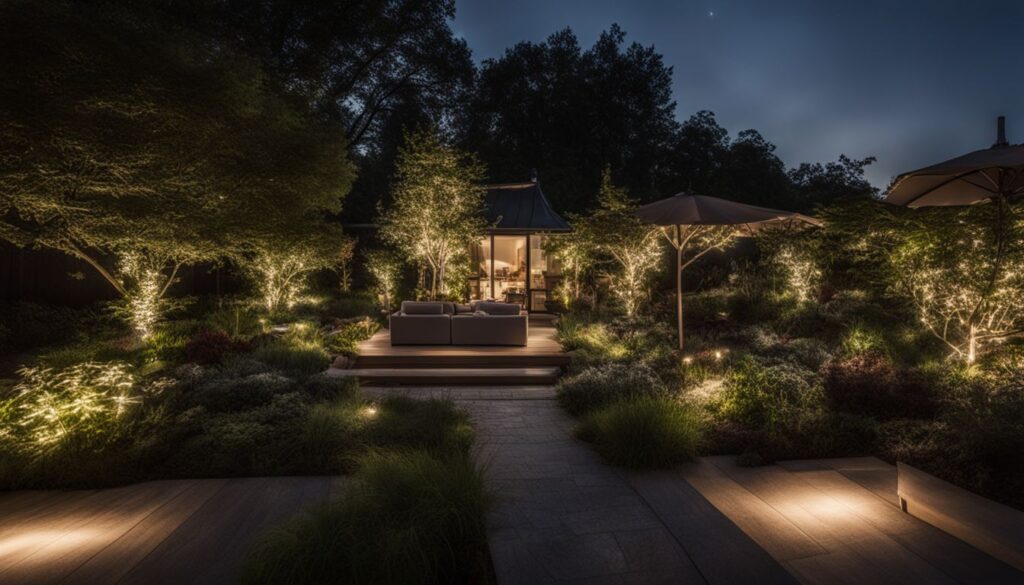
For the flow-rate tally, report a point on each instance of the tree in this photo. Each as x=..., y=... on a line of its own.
x=140, y=148
x=964, y=271
x=568, y=112
x=634, y=247
x=436, y=209
x=343, y=256
x=385, y=269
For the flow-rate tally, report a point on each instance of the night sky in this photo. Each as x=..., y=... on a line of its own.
x=909, y=82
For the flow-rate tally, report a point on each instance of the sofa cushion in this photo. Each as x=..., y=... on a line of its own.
x=498, y=308
x=461, y=309
x=422, y=308
x=448, y=308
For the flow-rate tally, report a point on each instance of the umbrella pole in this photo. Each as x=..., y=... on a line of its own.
x=679, y=282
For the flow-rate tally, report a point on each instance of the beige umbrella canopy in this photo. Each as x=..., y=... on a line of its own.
x=691, y=219
x=976, y=177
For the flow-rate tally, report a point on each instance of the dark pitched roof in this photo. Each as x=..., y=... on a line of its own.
x=521, y=206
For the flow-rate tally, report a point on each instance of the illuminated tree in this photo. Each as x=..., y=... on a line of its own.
x=436, y=209
x=280, y=271
x=576, y=255
x=964, y=271
x=634, y=247
x=385, y=268
x=343, y=263
x=139, y=148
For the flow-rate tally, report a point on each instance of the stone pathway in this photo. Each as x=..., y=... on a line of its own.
x=565, y=517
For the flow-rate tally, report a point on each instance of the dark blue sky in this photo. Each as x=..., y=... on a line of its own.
x=910, y=82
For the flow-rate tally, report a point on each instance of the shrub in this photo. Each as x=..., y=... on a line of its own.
x=759, y=396
x=598, y=386
x=345, y=336
x=29, y=325
x=301, y=362
x=324, y=387
x=257, y=441
x=407, y=517
x=870, y=384
x=329, y=436
x=643, y=433
x=210, y=346
x=230, y=393
x=435, y=425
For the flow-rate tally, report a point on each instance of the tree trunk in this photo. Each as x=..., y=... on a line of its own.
x=972, y=345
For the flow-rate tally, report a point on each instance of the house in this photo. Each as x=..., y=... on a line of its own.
x=509, y=263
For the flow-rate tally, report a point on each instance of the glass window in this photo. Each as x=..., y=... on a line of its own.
x=480, y=287
x=510, y=269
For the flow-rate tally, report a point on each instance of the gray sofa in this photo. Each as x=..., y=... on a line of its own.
x=442, y=323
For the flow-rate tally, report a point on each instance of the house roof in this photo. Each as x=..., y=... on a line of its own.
x=521, y=206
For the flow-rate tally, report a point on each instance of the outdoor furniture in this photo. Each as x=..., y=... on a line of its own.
x=442, y=323
x=502, y=324
x=419, y=323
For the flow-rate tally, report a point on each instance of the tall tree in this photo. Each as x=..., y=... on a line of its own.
x=569, y=112
x=436, y=211
x=139, y=147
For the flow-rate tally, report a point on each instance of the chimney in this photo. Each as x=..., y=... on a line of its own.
x=533, y=175
x=1001, y=132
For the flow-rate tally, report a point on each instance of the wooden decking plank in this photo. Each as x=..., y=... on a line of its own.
x=956, y=558
x=881, y=482
x=770, y=529
x=722, y=552
x=788, y=495
x=871, y=556
x=209, y=547
x=116, y=560
x=64, y=543
x=865, y=504
x=37, y=509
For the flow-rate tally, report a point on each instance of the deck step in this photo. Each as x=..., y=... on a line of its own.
x=451, y=376
x=435, y=361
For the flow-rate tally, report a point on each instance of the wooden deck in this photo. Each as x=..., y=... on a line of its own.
x=173, y=532
x=835, y=521
x=542, y=350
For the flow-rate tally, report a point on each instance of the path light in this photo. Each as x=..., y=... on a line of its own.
x=370, y=412
x=718, y=355
x=687, y=360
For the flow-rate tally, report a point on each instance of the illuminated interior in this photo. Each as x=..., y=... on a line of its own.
x=513, y=269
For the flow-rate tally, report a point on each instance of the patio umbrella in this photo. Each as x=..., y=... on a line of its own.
x=976, y=177
x=686, y=216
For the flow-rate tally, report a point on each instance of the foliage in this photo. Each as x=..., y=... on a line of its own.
x=345, y=336
x=633, y=246
x=436, y=209
x=869, y=384
x=297, y=360
x=210, y=346
x=29, y=325
x=107, y=159
x=80, y=405
x=280, y=268
x=977, y=440
x=643, y=432
x=757, y=395
x=385, y=269
x=434, y=425
x=407, y=517
x=343, y=257
x=964, y=271
x=598, y=386
x=576, y=110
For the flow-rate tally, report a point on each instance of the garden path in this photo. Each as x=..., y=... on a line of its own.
x=173, y=532
x=563, y=516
